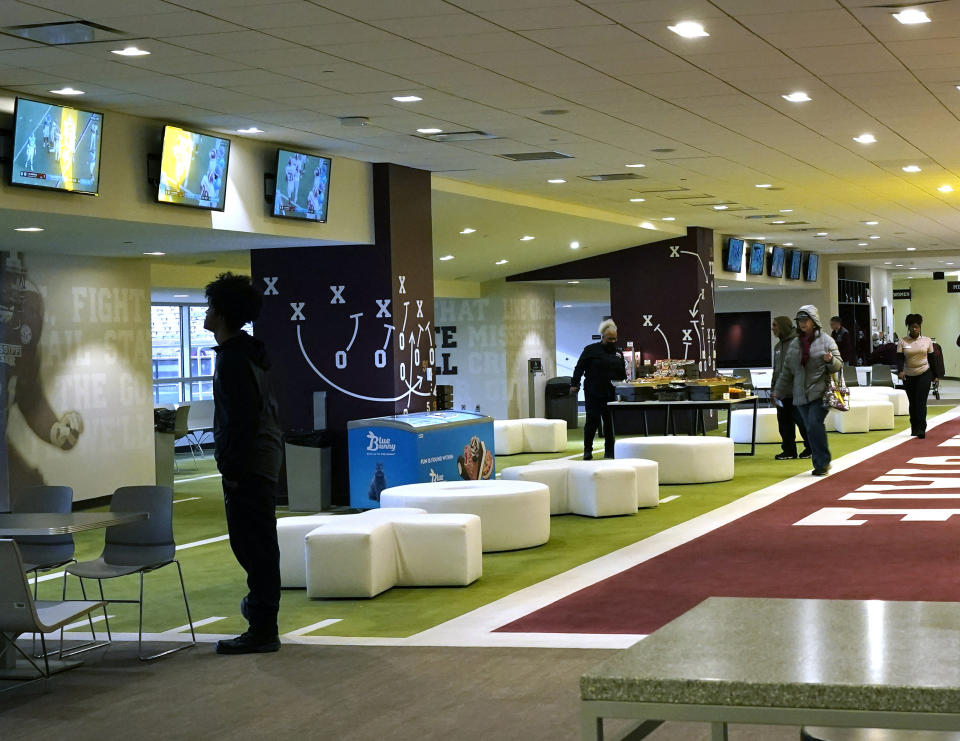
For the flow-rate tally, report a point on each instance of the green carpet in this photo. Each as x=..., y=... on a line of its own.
x=215, y=582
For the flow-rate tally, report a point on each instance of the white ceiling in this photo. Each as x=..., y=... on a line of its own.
x=627, y=87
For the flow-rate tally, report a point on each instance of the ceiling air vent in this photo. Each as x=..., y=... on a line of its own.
x=75, y=32
x=457, y=136
x=762, y=216
x=613, y=176
x=534, y=156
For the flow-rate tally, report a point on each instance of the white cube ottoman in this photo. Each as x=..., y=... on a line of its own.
x=648, y=489
x=513, y=514
x=602, y=488
x=648, y=479
x=897, y=397
x=682, y=459
x=438, y=550
x=544, y=435
x=741, y=426
x=879, y=413
x=855, y=419
x=351, y=559
x=554, y=475
x=507, y=436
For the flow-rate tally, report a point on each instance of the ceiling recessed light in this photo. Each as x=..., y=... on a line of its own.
x=181, y=295
x=429, y=131
x=798, y=97
x=898, y=265
x=467, y=230
x=949, y=263
x=945, y=189
x=130, y=51
x=865, y=139
x=446, y=257
x=251, y=130
x=747, y=288
x=637, y=200
x=556, y=181
x=721, y=286
x=501, y=262
x=911, y=168
x=28, y=229
x=572, y=282
x=574, y=245
x=636, y=164
x=407, y=98
x=669, y=218
x=911, y=16
x=788, y=244
x=888, y=263
x=778, y=221
x=155, y=254
x=786, y=210
x=646, y=225
x=913, y=268
x=526, y=238
x=763, y=185
x=821, y=234
x=871, y=223
x=67, y=91
x=911, y=249
x=861, y=244
x=567, y=306
x=689, y=29
x=720, y=207
x=874, y=236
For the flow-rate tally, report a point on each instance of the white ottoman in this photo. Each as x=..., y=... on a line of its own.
x=682, y=459
x=553, y=474
x=351, y=559
x=648, y=479
x=741, y=426
x=879, y=413
x=513, y=514
x=438, y=550
x=855, y=419
x=507, y=436
x=897, y=397
x=648, y=489
x=602, y=488
x=544, y=435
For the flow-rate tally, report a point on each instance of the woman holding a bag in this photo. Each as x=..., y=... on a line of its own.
x=914, y=369
x=807, y=365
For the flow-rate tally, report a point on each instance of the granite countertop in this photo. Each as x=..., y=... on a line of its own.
x=794, y=653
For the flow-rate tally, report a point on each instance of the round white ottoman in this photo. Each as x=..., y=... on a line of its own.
x=513, y=514
x=682, y=459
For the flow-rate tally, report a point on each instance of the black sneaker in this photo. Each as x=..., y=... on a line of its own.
x=806, y=453
x=785, y=457
x=588, y=455
x=821, y=471
x=248, y=643
x=921, y=435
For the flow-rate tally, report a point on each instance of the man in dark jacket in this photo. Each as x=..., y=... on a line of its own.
x=841, y=335
x=246, y=433
x=602, y=363
x=788, y=423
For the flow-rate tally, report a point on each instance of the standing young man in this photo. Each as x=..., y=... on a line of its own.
x=246, y=433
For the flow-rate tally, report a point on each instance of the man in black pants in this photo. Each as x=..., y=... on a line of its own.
x=602, y=363
x=246, y=433
x=787, y=421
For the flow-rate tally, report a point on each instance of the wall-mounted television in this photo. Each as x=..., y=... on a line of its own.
x=775, y=264
x=56, y=147
x=733, y=255
x=812, y=267
x=742, y=339
x=193, y=169
x=794, y=259
x=755, y=261
x=303, y=186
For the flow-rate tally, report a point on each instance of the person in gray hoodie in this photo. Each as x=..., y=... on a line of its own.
x=787, y=421
x=807, y=364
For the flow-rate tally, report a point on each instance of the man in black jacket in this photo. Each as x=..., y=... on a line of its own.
x=841, y=335
x=602, y=363
x=246, y=434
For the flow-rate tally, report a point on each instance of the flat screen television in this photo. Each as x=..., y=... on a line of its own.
x=193, y=169
x=755, y=262
x=733, y=255
x=812, y=271
x=775, y=264
x=743, y=339
x=56, y=147
x=794, y=259
x=303, y=186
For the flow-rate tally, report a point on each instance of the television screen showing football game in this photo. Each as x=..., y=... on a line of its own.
x=303, y=186
x=56, y=147
x=193, y=169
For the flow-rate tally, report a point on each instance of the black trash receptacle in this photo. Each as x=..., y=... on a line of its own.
x=307, y=455
x=561, y=401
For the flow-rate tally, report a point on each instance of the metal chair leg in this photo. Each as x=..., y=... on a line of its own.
x=92, y=643
x=189, y=619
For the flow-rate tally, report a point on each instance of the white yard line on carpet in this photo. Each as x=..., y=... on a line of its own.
x=188, y=499
x=196, y=478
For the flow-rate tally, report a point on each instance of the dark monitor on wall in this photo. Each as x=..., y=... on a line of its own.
x=56, y=147
x=794, y=259
x=812, y=267
x=303, y=186
x=775, y=264
x=733, y=255
x=742, y=339
x=755, y=261
x=193, y=169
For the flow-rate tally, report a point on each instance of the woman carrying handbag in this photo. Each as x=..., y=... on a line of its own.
x=807, y=365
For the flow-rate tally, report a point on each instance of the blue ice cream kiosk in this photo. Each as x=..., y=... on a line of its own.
x=413, y=448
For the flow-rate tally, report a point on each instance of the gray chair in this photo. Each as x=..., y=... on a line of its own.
x=880, y=376
x=181, y=431
x=850, y=376
x=21, y=613
x=745, y=374
x=200, y=423
x=137, y=548
x=44, y=552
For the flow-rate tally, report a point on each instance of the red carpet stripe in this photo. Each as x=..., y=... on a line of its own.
x=887, y=528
